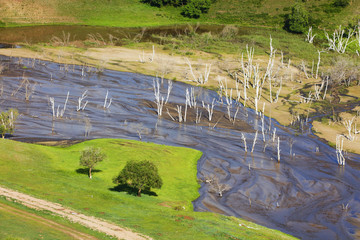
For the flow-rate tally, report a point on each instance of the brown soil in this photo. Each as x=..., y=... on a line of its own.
x=29, y=11
x=73, y=233
x=219, y=119
x=186, y=217
x=87, y=221
x=50, y=142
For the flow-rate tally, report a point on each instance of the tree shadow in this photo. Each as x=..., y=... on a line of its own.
x=86, y=171
x=131, y=191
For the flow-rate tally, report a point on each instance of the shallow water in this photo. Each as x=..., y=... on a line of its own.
x=302, y=195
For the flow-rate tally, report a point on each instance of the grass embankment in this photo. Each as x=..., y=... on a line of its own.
x=19, y=222
x=133, y=13
x=53, y=173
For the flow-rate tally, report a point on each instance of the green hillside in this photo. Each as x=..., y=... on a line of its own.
x=134, y=13
x=53, y=173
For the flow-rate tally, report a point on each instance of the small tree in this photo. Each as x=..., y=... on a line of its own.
x=90, y=157
x=140, y=175
x=7, y=120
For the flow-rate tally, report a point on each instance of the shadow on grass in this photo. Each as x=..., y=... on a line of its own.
x=131, y=190
x=86, y=171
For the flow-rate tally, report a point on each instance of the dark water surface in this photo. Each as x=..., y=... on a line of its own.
x=43, y=34
x=302, y=195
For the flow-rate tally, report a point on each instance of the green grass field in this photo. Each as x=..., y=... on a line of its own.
x=51, y=173
x=19, y=222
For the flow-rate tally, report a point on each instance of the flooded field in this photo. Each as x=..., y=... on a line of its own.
x=306, y=194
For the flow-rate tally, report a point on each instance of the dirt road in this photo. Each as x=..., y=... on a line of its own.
x=73, y=233
x=88, y=221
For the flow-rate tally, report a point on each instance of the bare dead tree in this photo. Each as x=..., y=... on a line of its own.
x=339, y=150
x=254, y=142
x=326, y=87
x=198, y=116
x=318, y=64
x=291, y=143
x=151, y=59
x=88, y=127
x=81, y=106
x=190, y=98
x=235, y=114
x=348, y=125
x=106, y=103
x=172, y=118
x=159, y=100
x=142, y=57
x=52, y=101
x=209, y=109
x=218, y=187
x=179, y=113
x=244, y=140
x=170, y=86
x=269, y=70
x=28, y=87
x=278, y=150
x=278, y=91
x=202, y=79
x=339, y=40
x=303, y=67
x=59, y=112
x=310, y=36
x=274, y=135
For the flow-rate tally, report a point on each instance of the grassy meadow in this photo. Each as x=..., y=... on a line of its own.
x=53, y=173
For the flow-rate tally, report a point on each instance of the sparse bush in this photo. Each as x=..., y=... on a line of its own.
x=344, y=71
x=7, y=121
x=229, y=31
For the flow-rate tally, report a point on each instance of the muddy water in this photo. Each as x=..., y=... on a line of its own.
x=302, y=195
x=43, y=34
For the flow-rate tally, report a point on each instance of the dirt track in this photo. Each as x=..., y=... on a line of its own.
x=88, y=221
x=51, y=224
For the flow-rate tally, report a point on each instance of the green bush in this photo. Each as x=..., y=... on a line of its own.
x=203, y=5
x=190, y=11
x=298, y=20
x=194, y=8
x=341, y=3
x=160, y=3
x=190, y=8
